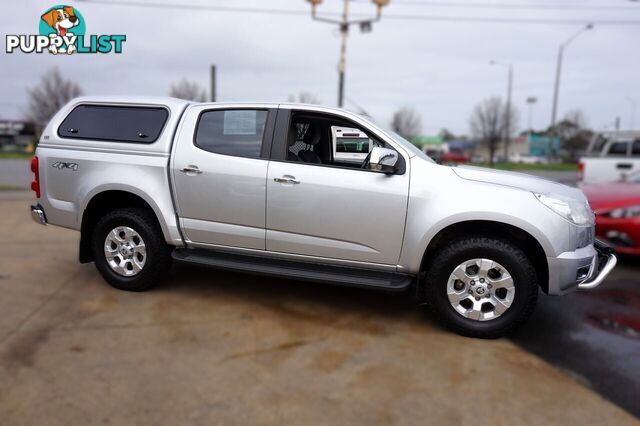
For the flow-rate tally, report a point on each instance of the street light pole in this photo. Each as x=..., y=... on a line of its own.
x=507, y=126
x=531, y=100
x=344, y=23
x=633, y=103
x=556, y=90
x=507, y=118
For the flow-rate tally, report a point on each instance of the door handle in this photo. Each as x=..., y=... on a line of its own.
x=191, y=169
x=287, y=179
x=624, y=166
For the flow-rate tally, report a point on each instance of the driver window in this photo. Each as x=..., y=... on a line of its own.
x=326, y=140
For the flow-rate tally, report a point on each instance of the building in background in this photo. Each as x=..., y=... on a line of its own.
x=544, y=146
x=17, y=136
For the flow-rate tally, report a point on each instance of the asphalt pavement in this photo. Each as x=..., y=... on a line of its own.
x=594, y=335
x=209, y=347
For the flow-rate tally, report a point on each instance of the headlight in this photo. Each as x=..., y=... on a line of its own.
x=623, y=213
x=573, y=210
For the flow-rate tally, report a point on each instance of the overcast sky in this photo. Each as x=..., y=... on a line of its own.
x=440, y=68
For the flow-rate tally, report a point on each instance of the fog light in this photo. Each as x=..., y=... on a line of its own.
x=583, y=273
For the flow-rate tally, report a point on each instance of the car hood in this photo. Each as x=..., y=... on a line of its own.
x=612, y=195
x=517, y=180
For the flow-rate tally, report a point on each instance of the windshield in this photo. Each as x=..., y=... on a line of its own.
x=411, y=148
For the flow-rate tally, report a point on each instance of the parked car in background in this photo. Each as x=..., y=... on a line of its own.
x=454, y=156
x=617, y=209
x=527, y=159
x=618, y=159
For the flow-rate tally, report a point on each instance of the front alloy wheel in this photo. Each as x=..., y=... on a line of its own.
x=480, y=289
x=481, y=286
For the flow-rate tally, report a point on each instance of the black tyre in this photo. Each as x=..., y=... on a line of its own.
x=129, y=249
x=481, y=287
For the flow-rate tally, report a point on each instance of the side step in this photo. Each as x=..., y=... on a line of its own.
x=306, y=271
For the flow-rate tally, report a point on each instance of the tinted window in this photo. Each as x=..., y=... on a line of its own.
x=618, y=148
x=114, y=123
x=635, y=149
x=232, y=132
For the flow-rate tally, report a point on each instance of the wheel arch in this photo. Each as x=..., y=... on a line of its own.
x=105, y=201
x=523, y=239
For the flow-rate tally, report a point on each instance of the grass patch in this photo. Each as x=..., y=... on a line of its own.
x=15, y=156
x=12, y=188
x=562, y=167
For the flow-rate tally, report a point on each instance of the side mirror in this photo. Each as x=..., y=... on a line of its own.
x=383, y=160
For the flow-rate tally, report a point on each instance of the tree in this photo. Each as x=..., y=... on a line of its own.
x=188, y=90
x=48, y=96
x=446, y=135
x=573, y=133
x=305, y=98
x=407, y=123
x=488, y=123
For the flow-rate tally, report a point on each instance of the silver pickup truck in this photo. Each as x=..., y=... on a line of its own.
x=309, y=193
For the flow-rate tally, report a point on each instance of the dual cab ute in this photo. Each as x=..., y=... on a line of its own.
x=617, y=161
x=309, y=193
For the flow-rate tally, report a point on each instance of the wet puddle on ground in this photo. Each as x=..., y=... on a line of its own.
x=620, y=324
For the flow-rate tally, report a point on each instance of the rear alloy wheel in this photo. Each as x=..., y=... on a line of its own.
x=129, y=249
x=481, y=287
x=125, y=251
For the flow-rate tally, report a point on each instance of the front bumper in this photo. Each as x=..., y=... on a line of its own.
x=37, y=214
x=584, y=268
x=604, y=263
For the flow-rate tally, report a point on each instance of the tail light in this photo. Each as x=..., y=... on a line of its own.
x=35, y=185
x=580, y=171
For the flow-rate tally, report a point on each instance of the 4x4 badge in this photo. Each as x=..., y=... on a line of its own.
x=62, y=165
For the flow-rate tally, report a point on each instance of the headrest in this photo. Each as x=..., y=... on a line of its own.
x=293, y=133
x=312, y=135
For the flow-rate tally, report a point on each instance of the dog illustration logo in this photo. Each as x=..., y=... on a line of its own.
x=62, y=21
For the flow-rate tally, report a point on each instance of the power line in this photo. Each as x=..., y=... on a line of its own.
x=405, y=17
x=556, y=6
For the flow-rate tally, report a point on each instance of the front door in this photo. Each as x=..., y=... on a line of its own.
x=318, y=207
x=219, y=172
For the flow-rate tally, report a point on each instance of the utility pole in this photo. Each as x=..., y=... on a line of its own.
x=343, y=24
x=213, y=83
x=556, y=90
x=344, y=33
x=507, y=118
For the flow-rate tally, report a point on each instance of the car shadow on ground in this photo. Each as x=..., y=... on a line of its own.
x=315, y=298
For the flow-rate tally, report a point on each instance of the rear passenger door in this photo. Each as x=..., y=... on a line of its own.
x=219, y=168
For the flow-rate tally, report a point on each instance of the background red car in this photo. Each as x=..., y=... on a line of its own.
x=617, y=209
x=454, y=156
